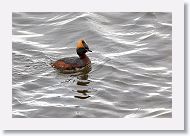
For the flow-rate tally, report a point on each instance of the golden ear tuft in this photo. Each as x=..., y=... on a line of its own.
x=80, y=44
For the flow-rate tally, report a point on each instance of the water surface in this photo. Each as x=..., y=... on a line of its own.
x=131, y=74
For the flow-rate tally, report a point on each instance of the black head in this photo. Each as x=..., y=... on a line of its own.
x=82, y=47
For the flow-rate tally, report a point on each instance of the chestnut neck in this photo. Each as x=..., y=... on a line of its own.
x=82, y=56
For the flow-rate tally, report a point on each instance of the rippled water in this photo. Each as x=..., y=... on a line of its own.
x=131, y=72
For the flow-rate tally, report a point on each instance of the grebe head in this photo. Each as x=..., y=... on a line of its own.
x=82, y=47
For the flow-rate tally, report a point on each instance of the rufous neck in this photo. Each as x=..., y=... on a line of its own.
x=82, y=56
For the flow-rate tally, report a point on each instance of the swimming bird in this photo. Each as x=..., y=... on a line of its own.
x=73, y=64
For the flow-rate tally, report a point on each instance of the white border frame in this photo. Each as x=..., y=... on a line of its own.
x=174, y=123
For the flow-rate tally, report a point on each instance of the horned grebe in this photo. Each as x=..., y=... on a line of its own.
x=74, y=64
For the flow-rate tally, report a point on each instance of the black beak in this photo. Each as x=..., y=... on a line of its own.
x=89, y=50
x=86, y=47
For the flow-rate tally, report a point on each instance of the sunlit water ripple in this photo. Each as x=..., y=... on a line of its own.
x=131, y=72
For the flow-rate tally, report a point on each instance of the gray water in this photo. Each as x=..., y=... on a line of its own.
x=131, y=74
